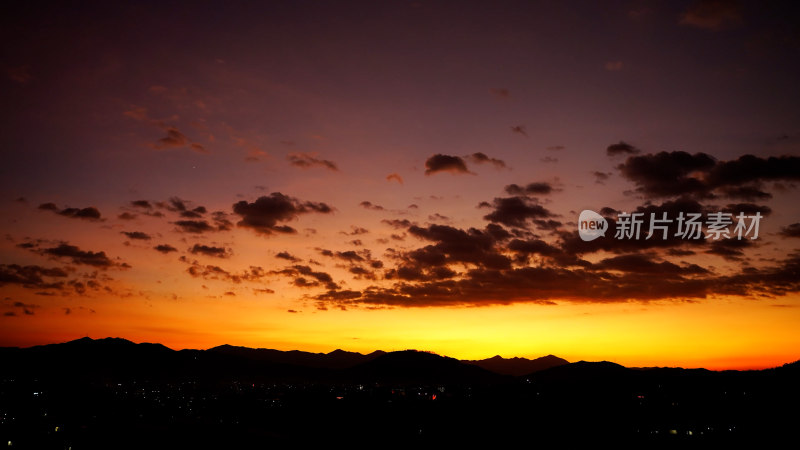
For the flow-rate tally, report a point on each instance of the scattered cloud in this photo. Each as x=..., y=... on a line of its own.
x=621, y=148
x=306, y=161
x=216, y=252
x=266, y=213
x=287, y=256
x=445, y=163
x=394, y=177
x=88, y=213
x=537, y=188
x=32, y=277
x=601, y=177
x=81, y=257
x=137, y=235
x=516, y=211
x=369, y=205
x=792, y=230
x=481, y=158
x=679, y=173
x=174, y=138
x=194, y=226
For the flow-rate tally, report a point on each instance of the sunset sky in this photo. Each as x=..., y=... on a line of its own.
x=402, y=174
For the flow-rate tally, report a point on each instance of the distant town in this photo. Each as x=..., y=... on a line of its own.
x=112, y=393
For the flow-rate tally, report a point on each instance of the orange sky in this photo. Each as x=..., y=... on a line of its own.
x=382, y=178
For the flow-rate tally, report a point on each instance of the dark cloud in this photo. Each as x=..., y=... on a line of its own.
x=89, y=213
x=27, y=308
x=398, y=223
x=516, y=211
x=771, y=281
x=194, y=226
x=221, y=220
x=287, y=256
x=792, y=230
x=305, y=161
x=621, y=148
x=137, y=235
x=355, y=231
x=454, y=245
x=617, y=279
x=748, y=209
x=213, y=272
x=31, y=277
x=749, y=169
x=369, y=205
x=175, y=139
x=548, y=159
x=668, y=174
x=127, y=216
x=751, y=193
x=141, y=204
x=645, y=264
x=217, y=252
x=481, y=158
x=78, y=256
x=730, y=249
x=165, y=248
x=300, y=272
x=349, y=255
x=360, y=273
x=445, y=163
x=263, y=215
x=176, y=204
x=191, y=214
x=679, y=173
x=600, y=177
x=538, y=188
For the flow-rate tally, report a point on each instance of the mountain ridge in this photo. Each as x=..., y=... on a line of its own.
x=337, y=359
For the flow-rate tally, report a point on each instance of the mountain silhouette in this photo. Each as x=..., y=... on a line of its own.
x=337, y=359
x=517, y=366
x=101, y=391
x=419, y=367
x=121, y=358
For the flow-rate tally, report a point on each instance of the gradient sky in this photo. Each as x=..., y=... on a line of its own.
x=392, y=175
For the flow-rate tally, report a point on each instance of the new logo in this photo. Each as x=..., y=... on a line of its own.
x=591, y=225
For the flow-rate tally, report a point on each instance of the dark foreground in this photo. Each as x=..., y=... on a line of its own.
x=141, y=397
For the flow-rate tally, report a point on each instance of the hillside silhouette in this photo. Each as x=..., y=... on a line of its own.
x=113, y=393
